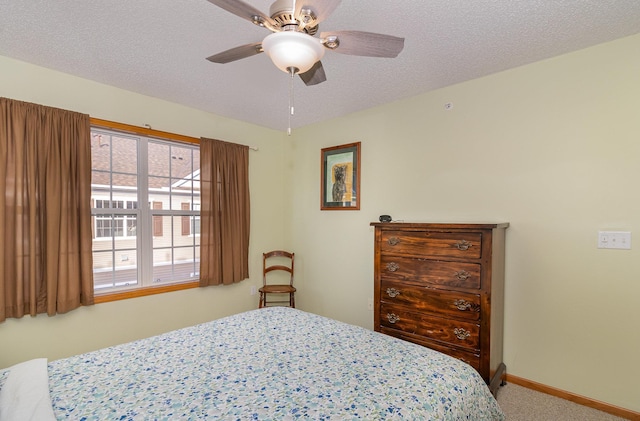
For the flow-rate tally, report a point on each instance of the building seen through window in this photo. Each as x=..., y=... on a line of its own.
x=145, y=211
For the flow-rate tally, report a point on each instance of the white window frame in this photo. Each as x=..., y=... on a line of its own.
x=144, y=214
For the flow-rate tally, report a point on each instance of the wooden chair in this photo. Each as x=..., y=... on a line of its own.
x=283, y=261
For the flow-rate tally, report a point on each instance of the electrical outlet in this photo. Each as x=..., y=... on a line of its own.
x=253, y=290
x=370, y=304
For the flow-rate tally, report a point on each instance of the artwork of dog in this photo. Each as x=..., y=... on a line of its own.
x=339, y=184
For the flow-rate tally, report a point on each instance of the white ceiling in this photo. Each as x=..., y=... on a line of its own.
x=158, y=48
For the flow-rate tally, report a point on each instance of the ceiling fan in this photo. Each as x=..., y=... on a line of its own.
x=293, y=45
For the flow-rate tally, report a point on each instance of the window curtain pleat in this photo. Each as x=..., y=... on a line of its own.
x=45, y=215
x=224, y=212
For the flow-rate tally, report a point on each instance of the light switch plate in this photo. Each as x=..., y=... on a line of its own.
x=614, y=240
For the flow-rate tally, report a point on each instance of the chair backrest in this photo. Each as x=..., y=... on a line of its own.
x=281, y=260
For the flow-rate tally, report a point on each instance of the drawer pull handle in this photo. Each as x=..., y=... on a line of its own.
x=461, y=333
x=392, y=318
x=392, y=266
x=462, y=275
x=392, y=292
x=464, y=305
x=463, y=245
x=393, y=241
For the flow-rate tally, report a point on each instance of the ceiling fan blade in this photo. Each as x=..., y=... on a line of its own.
x=368, y=44
x=314, y=75
x=237, y=53
x=245, y=11
x=320, y=8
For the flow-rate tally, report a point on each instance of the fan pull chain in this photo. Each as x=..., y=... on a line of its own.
x=292, y=72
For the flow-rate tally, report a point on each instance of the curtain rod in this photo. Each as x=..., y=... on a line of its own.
x=146, y=129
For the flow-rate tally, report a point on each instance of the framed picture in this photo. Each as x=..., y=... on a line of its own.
x=340, y=177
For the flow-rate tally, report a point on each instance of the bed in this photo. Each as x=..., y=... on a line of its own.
x=274, y=363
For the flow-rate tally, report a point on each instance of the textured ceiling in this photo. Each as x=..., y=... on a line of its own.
x=158, y=48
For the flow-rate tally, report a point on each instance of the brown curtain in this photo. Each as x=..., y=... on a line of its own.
x=224, y=212
x=45, y=214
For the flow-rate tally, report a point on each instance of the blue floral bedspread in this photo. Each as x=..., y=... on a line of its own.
x=269, y=364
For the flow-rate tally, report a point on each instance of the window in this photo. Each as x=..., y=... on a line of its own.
x=120, y=226
x=143, y=189
x=195, y=220
x=191, y=224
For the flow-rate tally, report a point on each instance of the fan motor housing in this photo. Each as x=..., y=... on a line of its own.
x=281, y=11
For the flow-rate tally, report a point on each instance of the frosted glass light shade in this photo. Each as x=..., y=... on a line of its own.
x=291, y=49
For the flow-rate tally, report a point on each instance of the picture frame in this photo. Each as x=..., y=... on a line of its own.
x=340, y=177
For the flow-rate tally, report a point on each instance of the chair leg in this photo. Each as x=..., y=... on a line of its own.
x=261, y=304
x=292, y=300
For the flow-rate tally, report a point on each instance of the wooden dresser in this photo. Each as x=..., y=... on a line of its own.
x=441, y=285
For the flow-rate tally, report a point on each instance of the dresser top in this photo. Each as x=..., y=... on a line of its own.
x=441, y=225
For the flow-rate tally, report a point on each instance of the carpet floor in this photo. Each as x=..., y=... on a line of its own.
x=521, y=404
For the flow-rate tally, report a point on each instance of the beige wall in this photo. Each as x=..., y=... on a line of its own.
x=551, y=148
x=111, y=323
x=554, y=149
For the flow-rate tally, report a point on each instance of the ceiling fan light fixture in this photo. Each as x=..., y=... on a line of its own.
x=293, y=50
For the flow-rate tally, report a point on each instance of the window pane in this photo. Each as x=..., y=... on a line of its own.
x=159, y=157
x=125, y=188
x=114, y=269
x=104, y=227
x=162, y=237
x=124, y=155
x=175, y=171
x=100, y=153
x=183, y=168
x=114, y=251
x=174, y=265
x=196, y=173
x=174, y=255
x=186, y=251
x=127, y=232
x=159, y=185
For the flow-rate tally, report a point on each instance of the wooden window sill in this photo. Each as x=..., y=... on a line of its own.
x=142, y=292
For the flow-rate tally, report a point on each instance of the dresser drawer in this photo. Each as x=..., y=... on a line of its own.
x=469, y=357
x=430, y=272
x=446, y=303
x=441, y=329
x=432, y=243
